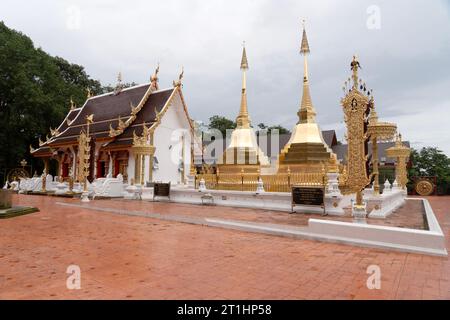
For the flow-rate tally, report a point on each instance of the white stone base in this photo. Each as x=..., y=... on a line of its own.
x=280, y=201
x=85, y=196
x=132, y=192
x=359, y=213
x=61, y=188
x=147, y=194
x=385, y=204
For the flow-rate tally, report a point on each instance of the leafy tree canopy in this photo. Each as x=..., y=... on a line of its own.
x=221, y=123
x=35, y=90
x=430, y=161
x=281, y=129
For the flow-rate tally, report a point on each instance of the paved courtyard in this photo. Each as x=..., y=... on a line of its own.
x=135, y=257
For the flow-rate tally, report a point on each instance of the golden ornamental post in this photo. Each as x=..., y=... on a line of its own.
x=356, y=107
x=84, y=156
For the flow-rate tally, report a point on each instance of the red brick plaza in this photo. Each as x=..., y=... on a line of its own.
x=137, y=257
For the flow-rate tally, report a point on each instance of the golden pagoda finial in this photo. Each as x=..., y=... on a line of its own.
x=304, y=48
x=306, y=114
x=89, y=93
x=244, y=61
x=243, y=120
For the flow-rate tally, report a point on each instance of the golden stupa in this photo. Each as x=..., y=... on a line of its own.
x=306, y=150
x=243, y=152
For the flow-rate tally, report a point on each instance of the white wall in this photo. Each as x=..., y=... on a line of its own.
x=173, y=125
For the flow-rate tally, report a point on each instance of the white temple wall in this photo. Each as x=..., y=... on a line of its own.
x=167, y=140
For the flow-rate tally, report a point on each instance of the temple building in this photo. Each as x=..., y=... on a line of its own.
x=143, y=133
x=306, y=149
x=243, y=152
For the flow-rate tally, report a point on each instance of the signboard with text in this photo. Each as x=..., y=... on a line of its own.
x=161, y=190
x=308, y=196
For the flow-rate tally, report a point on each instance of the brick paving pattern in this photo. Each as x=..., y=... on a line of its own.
x=132, y=257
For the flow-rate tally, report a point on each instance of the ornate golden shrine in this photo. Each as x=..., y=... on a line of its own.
x=401, y=153
x=306, y=150
x=356, y=106
x=378, y=131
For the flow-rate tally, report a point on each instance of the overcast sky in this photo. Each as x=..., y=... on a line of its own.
x=403, y=48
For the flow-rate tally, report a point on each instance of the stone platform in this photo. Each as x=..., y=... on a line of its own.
x=16, y=211
x=279, y=201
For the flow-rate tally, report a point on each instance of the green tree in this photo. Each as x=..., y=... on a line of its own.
x=35, y=89
x=110, y=87
x=221, y=123
x=430, y=161
x=281, y=129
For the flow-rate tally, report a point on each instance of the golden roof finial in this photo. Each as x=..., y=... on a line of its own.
x=120, y=123
x=179, y=83
x=154, y=79
x=90, y=118
x=54, y=132
x=72, y=104
x=89, y=93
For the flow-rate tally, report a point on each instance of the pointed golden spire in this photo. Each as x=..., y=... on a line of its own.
x=244, y=61
x=306, y=114
x=242, y=119
x=304, y=49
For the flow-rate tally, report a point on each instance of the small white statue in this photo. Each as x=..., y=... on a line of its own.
x=6, y=185
x=395, y=185
x=260, y=186
x=202, y=185
x=387, y=186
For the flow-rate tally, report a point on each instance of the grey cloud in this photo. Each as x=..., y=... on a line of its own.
x=406, y=62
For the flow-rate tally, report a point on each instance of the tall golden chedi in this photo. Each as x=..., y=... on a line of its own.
x=243, y=152
x=306, y=150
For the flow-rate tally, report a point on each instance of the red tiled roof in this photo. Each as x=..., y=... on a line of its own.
x=106, y=110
